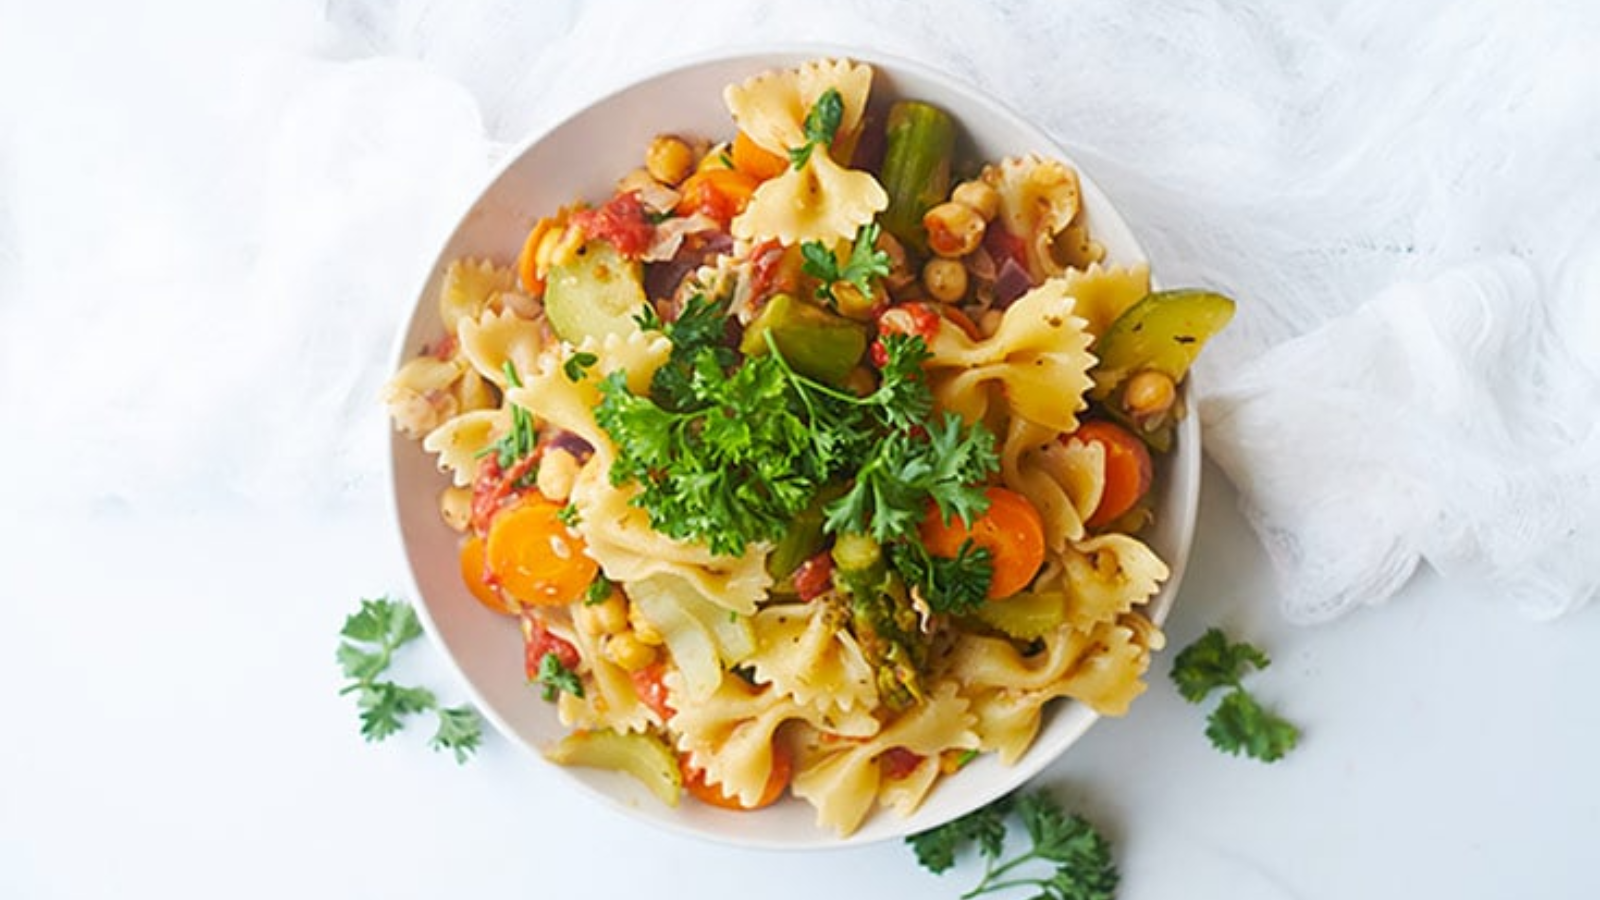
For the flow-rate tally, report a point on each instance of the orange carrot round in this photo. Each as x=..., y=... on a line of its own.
x=1128, y=469
x=1011, y=530
x=475, y=574
x=534, y=558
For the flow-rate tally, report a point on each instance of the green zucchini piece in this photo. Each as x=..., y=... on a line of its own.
x=596, y=294
x=1026, y=616
x=1164, y=332
x=641, y=755
x=919, y=144
x=815, y=342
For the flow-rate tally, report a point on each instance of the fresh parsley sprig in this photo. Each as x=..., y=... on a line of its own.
x=958, y=584
x=371, y=636
x=555, y=676
x=1083, y=868
x=1239, y=724
x=866, y=262
x=520, y=440
x=820, y=126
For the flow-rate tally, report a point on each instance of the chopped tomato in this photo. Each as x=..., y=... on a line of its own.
x=898, y=762
x=495, y=488
x=534, y=558
x=814, y=576
x=652, y=690
x=766, y=267
x=621, y=222
x=1011, y=530
x=719, y=193
x=443, y=350
x=694, y=781
x=918, y=319
x=538, y=640
x=475, y=574
x=1129, y=471
x=753, y=159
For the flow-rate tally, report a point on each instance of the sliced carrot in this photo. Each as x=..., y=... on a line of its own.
x=753, y=159
x=474, y=573
x=1128, y=469
x=694, y=781
x=534, y=558
x=1011, y=530
x=719, y=193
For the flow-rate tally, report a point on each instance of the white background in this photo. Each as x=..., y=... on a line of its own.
x=212, y=220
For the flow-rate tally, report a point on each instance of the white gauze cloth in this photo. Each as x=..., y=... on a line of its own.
x=213, y=221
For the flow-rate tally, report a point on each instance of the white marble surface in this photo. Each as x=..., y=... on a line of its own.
x=212, y=219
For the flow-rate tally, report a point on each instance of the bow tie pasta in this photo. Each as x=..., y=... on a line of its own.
x=801, y=476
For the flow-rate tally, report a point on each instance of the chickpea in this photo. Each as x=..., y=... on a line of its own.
x=954, y=229
x=455, y=507
x=669, y=159
x=611, y=614
x=1149, y=393
x=945, y=279
x=557, y=472
x=980, y=195
x=628, y=652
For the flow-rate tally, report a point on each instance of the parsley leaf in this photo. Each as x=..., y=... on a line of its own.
x=517, y=443
x=866, y=263
x=557, y=677
x=1212, y=662
x=599, y=590
x=1083, y=866
x=1239, y=724
x=577, y=364
x=820, y=126
x=937, y=848
x=947, y=463
x=371, y=636
x=954, y=585
x=460, y=731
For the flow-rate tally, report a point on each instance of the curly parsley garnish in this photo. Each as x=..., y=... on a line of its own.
x=1083, y=867
x=820, y=126
x=1239, y=724
x=555, y=676
x=371, y=636
x=866, y=262
x=729, y=455
x=518, y=442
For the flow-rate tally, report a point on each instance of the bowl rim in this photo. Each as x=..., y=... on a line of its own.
x=1185, y=466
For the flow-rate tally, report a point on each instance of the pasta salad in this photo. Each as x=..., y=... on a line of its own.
x=811, y=462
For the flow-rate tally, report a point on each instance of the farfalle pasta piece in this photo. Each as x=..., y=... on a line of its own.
x=1064, y=479
x=494, y=339
x=1036, y=363
x=1104, y=292
x=1039, y=199
x=819, y=200
x=421, y=395
x=771, y=108
x=1107, y=576
x=803, y=650
x=730, y=734
x=459, y=441
x=843, y=779
x=469, y=287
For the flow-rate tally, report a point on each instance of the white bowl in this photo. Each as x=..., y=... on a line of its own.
x=581, y=158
